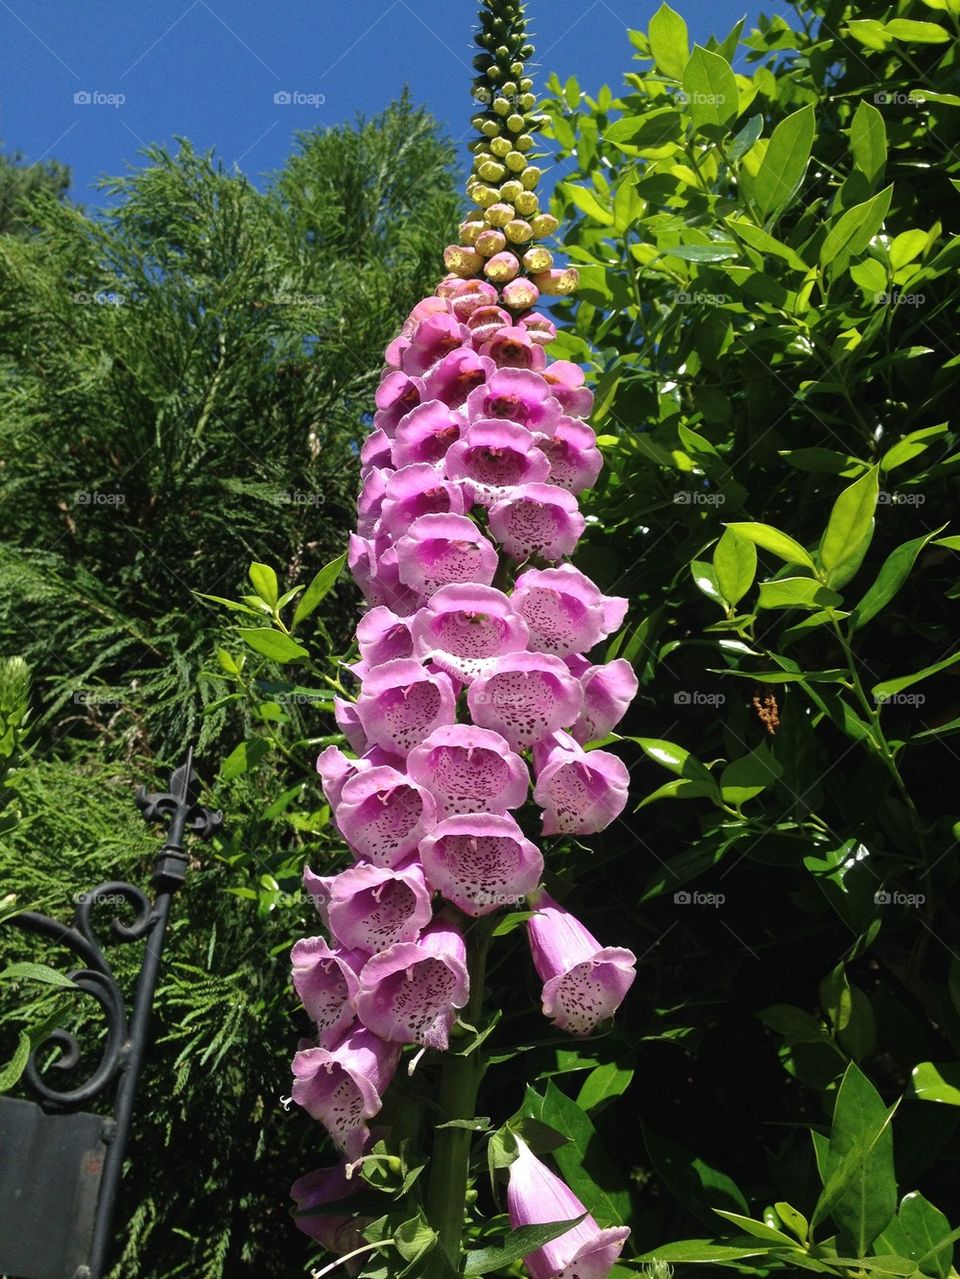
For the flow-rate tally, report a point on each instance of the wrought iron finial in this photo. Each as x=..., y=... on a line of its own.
x=179, y=808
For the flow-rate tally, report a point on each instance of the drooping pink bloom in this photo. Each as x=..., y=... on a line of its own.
x=335, y=769
x=348, y=722
x=607, y=692
x=535, y=1196
x=383, y=815
x=371, y=499
x=525, y=697
x=491, y=457
x=465, y=630
x=410, y=993
x=540, y=327
x=396, y=395
x=565, y=611
x=376, y=451
x=457, y=376
x=327, y=983
x=425, y=434
x=575, y=460
x=343, y=1086
x=383, y=636
x=401, y=702
x=481, y=862
x=580, y=792
x=438, y=550
x=433, y=338
x=368, y=908
x=469, y=770
x=416, y=490
x=375, y=572
x=519, y=395
x=584, y=983
x=566, y=382
x=537, y=520
x=514, y=348
x=422, y=311
x=485, y=323
x=465, y=296
x=520, y=294
x=337, y=1232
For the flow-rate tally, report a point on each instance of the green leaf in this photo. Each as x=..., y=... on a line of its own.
x=706, y=1251
x=681, y=788
x=735, y=566
x=868, y=140
x=861, y=1188
x=793, y=1220
x=672, y=757
x=706, y=580
x=700, y=1188
x=586, y=200
x=894, y=572
x=319, y=588
x=517, y=1244
x=759, y=1229
x=745, y=139
x=744, y=778
x=711, y=91
x=414, y=1238
x=771, y=539
x=11, y=1072
x=37, y=972
x=583, y=1163
x=852, y=231
x=234, y=605
x=603, y=1083
x=785, y=162
x=886, y=688
x=264, y=581
x=273, y=644
x=851, y=521
x=912, y=32
x=668, y=42
x=928, y=1232
x=797, y=592
x=930, y=1082
x=911, y=446
x=243, y=758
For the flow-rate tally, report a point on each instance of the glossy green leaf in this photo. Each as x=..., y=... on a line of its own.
x=42, y=973
x=868, y=140
x=794, y=1220
x=932, y=1082
x=773, y=540
x=588, y=203
x=759, y=1229
x=273, y=644
x=893, y=573
x=911, y=31
x=705, y=1251
x=264, y=581
x=928, y=1233
x=243, y=758
x=319, y=588
x=734, y=566
x=712, y=97
x=852, y=231
x=517, y=1244
x=673, y=757
x=796, y=592
x=705, y=577
x=785, y=162
x=744, y=778
x=887, y=688
x=667, y=33
x=605, y=1082
x=11, y=1072
x=681, y=788
x=850, y=521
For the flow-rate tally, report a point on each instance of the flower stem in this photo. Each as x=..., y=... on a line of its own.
x=450, y=1164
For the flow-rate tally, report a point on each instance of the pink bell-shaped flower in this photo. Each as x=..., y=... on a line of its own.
x=535, y=1196
x=465, y=630
x=396, y=395
x=335, y=769
x=410, y=993
x=572, y=452
x=342, y=1087
x=413, y=491
x=537, y=520
x=565, y=611
x=485, y=323
x=513, y=347
x=383, y=815
x=525, y=697
x=370, y=501
x=438, y=550
x=518, y=395
x=465, y=296
x=337, y=1232
x=348, y=722
x=580, y=792
x=326, y=981
x=383, y=636
x=375, y=572
x=368, y=908
x=492, y=457
x=565, y=380
x=425, y=434
x=400, y=703
x=433, y=338
x=584, y=983
x=481, y=862
x=607, y=692
x=469, y=770
x=457, y=376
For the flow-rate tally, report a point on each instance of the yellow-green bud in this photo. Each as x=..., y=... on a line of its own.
x=518, y=231
x=526, y=85
x=469, y=232
x=499, y=214
x=544, y=224
x=524, y=142
x=478, y=121
x=485, y=196
x=500, y=147
x=528, y=101
x=490, y=171
x=489, y=242
x=530, y=177
x=462, y=260
x=516, y=69
x=508, y=88
x=502, y=268
x=502, y=106
x=515, y=123
x=526, y=203
x=516, y=162
x=490, y=129
x=510, y=190
x=538, y=259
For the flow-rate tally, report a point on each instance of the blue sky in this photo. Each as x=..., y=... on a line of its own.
x=209, y=70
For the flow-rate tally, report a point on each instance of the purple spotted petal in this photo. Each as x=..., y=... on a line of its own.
x=465, y=296
x=383, y=636
x=336, y=1232
x=481, y=862
x=345, y=713
x=566, y=383
x=327, y=983
x=342, y=1087
x=518, y=395
x=396, y=395
x=537, y=520
x=607, y=693
x=535, y=1196
x=565, y=611
x=526, y=697
x=512, y=347
x=456, y=377
x=410, y=993
x=575, y=460
x=465, y=629
x=493, y=457
x=375, y=571
x=434, y=337
x=438, y=550
x=335, y=769
x=580, y=792
x=425, y=434
x=400, y=703
x=469, y=770
x=369, y=908
x=383, y=814
x=416, y=490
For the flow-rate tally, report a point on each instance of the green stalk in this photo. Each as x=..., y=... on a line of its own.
x=450, y=1163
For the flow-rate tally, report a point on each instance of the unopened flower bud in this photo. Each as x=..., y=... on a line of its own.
x=527, y=203
x=499, y=214
x=501, y=106
x=524, y=142
x=526, y=85
x=509, y=88
x=490, y=129
x=544, y=224
x=516, y=162
x=528, y=101
x=557, y=282
x=538, y=259
x=518, y=232
x=462, y=260
x=489, y=242
x=469, y=232
x=485, y=196
x=530, y=177
x=501, y=53
x=516, y=69
x=500, y=147
x=491, y=171
x=478, y=121
x=515, y=123
x=502, y=268
x=520, y=294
